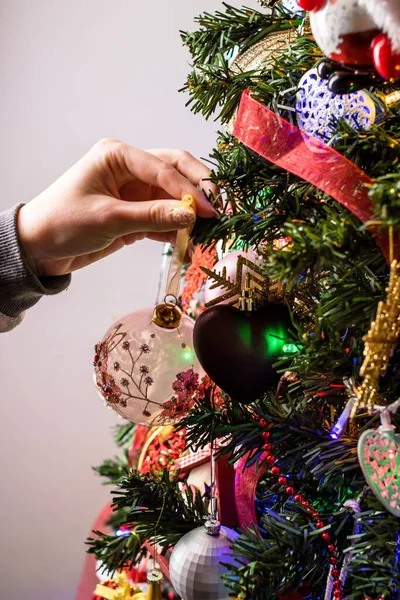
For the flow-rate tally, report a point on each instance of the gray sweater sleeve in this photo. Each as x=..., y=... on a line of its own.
x=20, y=288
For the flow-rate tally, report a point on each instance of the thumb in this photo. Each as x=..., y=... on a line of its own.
x=152, y=215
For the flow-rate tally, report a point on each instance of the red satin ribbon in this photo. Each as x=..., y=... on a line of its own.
x=285, y=145
x=246, y=482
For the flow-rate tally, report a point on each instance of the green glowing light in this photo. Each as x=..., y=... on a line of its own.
x=187, y=354
x=274, y=340
x=290, y=348
x=245, y=334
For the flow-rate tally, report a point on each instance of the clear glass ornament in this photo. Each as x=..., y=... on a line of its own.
x=137, y=362
x=145, y=352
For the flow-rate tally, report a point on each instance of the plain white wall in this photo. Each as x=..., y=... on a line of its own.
x=72, y=72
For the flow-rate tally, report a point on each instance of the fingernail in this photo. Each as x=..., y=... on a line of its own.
x=183, y=216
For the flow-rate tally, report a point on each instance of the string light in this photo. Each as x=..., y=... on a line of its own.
x=338, y=428
x=392, y=98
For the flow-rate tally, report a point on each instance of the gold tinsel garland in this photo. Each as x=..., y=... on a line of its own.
x=380, y=344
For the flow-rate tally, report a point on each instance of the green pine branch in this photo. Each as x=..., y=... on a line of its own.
x=113, y=470
x=155, y=509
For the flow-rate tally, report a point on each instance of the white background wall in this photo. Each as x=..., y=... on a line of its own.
x=72, y=72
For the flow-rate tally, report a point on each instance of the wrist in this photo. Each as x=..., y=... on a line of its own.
x=27, y=242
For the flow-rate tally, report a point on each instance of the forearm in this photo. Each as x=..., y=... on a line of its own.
x=20, y=288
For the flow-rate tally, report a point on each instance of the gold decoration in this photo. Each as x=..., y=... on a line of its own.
x=247, y=301
x=123, y=591
x=248, y=277
x=259, y=57
x=380, y=343
x=167, y=315
x=154, y=579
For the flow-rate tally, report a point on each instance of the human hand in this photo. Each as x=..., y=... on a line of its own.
x=114, y=196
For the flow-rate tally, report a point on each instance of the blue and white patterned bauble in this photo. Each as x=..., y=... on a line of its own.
x=292, y=7
x=316, y=107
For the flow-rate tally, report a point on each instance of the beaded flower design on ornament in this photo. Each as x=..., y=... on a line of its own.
x=189, y=391
x=126, y=384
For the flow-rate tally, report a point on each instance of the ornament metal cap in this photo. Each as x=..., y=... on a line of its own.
x=154, y=576
x=167, y=314
x=212, y=527
x=247, y=301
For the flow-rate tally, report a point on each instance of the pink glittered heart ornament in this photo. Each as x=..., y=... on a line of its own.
x=379, y=458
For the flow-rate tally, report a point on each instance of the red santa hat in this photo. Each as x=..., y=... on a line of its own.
x=386, y=14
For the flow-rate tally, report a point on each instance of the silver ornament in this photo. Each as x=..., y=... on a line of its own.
x=195, y=566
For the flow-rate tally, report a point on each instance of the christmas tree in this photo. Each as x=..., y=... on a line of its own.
x=301, y=331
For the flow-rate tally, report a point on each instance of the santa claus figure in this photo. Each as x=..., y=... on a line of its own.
x=360, y=37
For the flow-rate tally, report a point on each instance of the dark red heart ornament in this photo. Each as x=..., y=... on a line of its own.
x=237, y=349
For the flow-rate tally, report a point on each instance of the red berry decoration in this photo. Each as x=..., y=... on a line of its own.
x=282, y=480
x=335, y=573
x=325, y=536
x=311, y=4
x=319, y=524
x=386, y=62
x=275, y=470
x=290, y=490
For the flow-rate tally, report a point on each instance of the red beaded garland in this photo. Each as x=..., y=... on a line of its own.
x=335, y=573
x=275, y=470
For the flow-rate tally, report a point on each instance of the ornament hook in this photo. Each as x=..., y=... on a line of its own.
x=167, y=314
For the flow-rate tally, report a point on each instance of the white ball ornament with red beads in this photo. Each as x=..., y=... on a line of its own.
x=358, y=33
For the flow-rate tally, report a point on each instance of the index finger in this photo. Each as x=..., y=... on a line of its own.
x=134, y=163
x=190, y=167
